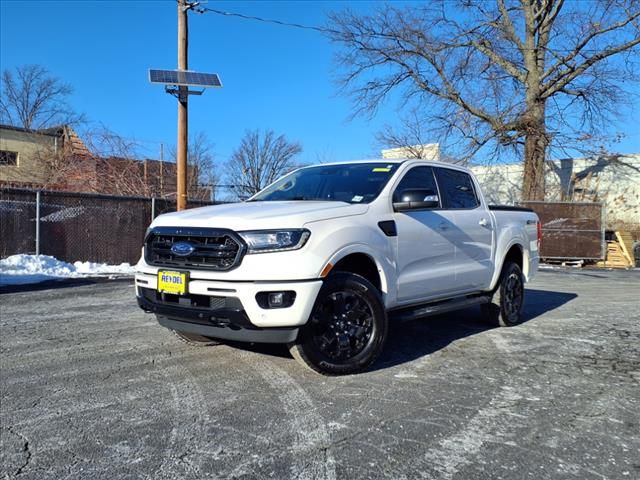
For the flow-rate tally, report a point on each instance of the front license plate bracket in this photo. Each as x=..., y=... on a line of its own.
x=174, y=282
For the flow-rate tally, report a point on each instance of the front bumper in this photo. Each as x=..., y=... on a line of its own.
x=255, y=316
x=223, y=324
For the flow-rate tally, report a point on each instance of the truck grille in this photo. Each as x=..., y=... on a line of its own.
x=212, y=249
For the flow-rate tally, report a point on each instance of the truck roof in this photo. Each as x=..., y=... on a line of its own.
x=392, y=161
x=370, y=160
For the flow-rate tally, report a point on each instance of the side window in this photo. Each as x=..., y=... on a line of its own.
x=417, y=177
x=8, y=158
x=456, y=189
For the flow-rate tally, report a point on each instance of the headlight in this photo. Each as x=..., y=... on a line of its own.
x=263, y=241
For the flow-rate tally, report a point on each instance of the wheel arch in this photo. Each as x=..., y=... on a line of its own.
x=359, y=261
x=517, y=254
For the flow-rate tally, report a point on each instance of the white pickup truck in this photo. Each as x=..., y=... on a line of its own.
x=323, y=257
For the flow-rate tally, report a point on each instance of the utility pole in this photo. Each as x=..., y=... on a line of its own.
x=177, y=83
x=183, y=96
x=161, y=169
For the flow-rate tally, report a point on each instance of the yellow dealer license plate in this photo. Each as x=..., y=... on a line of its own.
x=172, y=282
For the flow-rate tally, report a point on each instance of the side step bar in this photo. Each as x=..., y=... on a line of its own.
x=419, y=311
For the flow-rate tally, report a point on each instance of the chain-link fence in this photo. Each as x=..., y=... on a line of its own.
x=77, y=226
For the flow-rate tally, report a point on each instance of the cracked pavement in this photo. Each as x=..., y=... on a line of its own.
x=91, y=387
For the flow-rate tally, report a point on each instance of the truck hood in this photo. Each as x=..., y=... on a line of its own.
x=259, y=215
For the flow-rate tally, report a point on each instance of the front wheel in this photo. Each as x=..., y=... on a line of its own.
x=347, y=328
x=505, y=306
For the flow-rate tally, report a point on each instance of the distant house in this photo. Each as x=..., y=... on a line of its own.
x=27, y=156
x=57, y=159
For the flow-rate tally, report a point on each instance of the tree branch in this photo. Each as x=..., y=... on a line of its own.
x=565, y=78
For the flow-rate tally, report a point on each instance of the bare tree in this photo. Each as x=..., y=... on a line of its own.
x=527, y=75
x=106, y=162
x=259, y=160
x=117, y=169
x=412, y=137
x=61, y=161
x=64, y=170
x=202, y=178
x=33, y=99
x=103, y=162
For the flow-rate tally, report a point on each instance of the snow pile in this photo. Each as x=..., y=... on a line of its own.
x=89, y=268
x=21, y=269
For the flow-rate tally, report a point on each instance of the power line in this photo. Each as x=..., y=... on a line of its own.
x=316, y=28
x=267, y=20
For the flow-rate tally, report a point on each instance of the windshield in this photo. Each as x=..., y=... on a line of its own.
x=352, y=183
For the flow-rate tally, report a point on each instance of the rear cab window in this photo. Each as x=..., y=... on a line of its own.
x=456, y=189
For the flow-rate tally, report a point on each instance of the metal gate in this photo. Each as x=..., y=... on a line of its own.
x=571, y=230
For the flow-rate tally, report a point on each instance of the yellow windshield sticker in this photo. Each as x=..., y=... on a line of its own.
x=381, y=169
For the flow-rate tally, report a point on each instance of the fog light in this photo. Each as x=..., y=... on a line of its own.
x=276, y=299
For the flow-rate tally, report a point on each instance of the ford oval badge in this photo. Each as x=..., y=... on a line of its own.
x=182, y=249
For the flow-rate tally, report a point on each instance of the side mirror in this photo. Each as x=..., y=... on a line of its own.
x=416, y=199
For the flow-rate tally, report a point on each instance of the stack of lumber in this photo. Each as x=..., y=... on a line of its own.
x=619, y=252
x=625, y=239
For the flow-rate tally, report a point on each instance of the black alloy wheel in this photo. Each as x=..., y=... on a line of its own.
x=506, y=304
x=342, y=325
x=513, y=296
x=347, y=327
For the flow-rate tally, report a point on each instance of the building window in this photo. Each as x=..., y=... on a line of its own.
x=8, y=158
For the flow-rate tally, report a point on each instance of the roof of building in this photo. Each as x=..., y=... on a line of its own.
x=69, y=136
x=51, y=132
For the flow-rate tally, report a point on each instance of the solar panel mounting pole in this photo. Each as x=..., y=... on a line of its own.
x=177, y=83
x=183, y=96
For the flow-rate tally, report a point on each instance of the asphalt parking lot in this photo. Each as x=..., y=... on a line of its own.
x=91, y=387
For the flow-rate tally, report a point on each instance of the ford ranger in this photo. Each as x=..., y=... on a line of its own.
x=323, y=257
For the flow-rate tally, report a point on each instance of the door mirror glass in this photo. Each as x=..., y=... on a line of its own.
x=416, y=199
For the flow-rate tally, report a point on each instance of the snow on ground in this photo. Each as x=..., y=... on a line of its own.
x=22, y=269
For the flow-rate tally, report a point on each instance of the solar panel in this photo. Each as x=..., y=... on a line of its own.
x=185, y=78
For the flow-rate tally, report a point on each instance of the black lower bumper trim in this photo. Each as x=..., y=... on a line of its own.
x=224, y=325
x=263, y=335
x=206, y=316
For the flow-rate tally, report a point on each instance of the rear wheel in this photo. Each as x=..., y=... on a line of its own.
x=505, y=307
x=195, y=340
x=347, y=327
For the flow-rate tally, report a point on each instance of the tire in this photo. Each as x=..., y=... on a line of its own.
x=195, y=340
x=347, y=328
x=505, y=306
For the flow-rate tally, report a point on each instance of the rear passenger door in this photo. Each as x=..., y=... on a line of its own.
x=425, y=265
x=472, y=230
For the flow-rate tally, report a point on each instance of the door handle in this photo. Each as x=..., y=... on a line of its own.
x=483, y=222
x=443, y=226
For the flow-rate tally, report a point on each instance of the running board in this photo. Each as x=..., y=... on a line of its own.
x=419, y=311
